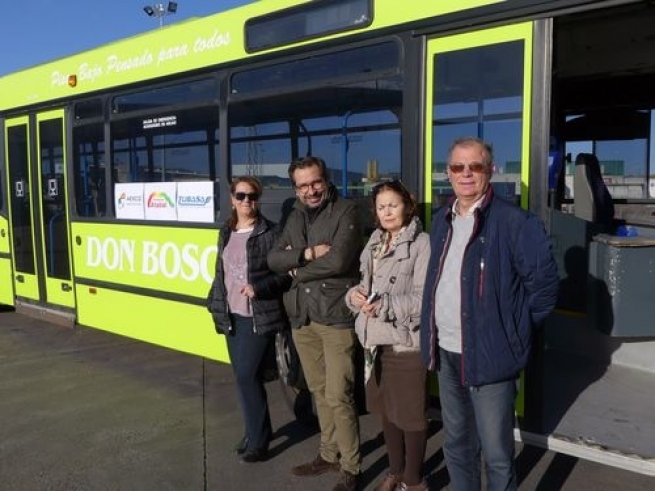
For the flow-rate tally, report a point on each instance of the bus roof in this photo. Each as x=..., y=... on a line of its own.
x=178, y=48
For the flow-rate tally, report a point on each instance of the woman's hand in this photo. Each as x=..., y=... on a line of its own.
x=371, y=309
x=248, y=291
x=358, y=299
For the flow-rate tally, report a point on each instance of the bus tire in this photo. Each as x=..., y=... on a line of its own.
x=292, y=381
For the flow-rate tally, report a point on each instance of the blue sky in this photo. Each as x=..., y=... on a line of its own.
x=46, y=30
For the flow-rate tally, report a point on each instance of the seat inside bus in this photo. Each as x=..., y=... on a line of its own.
x=592, y=199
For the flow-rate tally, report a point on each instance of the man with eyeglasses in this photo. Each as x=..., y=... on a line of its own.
x=491, y=280
x=319, y=247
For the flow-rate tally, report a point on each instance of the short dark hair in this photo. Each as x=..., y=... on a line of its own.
x=304, y=162
x=411, y=205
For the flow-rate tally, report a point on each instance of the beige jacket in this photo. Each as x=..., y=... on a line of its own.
x=399, y=280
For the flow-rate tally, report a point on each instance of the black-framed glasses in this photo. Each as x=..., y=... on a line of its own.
x=240, y=196
x=315, y=185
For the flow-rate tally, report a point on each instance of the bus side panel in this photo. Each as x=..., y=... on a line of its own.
x=174, y=260
x=147, y=282
x=175, y=325
x=6, y=275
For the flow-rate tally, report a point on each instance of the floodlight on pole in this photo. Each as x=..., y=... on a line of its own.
x=159, y=10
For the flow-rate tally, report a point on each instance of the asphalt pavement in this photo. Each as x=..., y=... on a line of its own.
x=86, y=410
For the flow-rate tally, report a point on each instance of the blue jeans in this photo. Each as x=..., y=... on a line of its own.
x=247, y=351
x=476, y=420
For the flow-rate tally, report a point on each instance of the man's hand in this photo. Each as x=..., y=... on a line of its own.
x=313, y=253
x=321, y=250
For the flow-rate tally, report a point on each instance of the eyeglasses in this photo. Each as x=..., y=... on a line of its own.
x=475, y=167
x=304, y=188
x=240, y=196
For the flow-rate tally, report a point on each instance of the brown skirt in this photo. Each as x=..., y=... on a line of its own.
x=397, y=389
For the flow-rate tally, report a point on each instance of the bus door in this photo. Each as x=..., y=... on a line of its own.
x=478, y=84
x=6, y=277
x=36, y=169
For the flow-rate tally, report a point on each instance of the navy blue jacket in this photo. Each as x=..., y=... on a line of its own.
x=509, y=285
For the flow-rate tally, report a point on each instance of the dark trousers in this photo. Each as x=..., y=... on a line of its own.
x=247, y=351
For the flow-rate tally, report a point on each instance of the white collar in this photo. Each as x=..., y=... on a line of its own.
x=471, y=210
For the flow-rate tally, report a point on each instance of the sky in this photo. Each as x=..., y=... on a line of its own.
x=46, y=30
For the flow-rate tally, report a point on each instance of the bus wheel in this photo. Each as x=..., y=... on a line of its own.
x=292, y=381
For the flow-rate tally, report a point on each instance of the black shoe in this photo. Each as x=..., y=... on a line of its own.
x=256, y=455
x=241, y=447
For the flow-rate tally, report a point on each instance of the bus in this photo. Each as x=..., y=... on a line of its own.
x=116, y=164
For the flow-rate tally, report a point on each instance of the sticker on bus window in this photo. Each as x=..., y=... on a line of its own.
x=195, y=201
x=160, y=201
x=128, y=200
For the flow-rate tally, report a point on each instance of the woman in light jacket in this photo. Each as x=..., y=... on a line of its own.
x=245, y=301
x=387, y=303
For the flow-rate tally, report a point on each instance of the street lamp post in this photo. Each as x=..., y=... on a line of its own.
x=159, y=10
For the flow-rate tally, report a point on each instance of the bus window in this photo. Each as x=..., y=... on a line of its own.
x=341, y=106
x=307, y=21
x=376, y=58
x=254, y=151
x=55, y=221
x=195, y=92
x=21, y=208
x=479, y=92
x=89, y=170
x=620, y=139
x=166, y=134
x=172, y=146
x=89, y=158
x=355, y=128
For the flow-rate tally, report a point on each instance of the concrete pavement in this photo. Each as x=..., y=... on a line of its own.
x=82, y=409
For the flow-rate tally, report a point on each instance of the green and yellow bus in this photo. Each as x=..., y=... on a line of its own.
x=116, y=164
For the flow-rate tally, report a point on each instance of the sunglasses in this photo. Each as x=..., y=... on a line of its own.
x=240, y=196
x=475, y=167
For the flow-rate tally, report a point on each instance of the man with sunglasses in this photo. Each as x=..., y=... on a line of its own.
x=491, y=280
x=319, y=247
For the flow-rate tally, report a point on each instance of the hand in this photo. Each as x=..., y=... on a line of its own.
x=321, y=250
x=358, y=298
x=313, y=253
x=248, y=291
x=371, y=309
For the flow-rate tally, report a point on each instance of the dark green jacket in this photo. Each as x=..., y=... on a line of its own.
x=318, y=290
